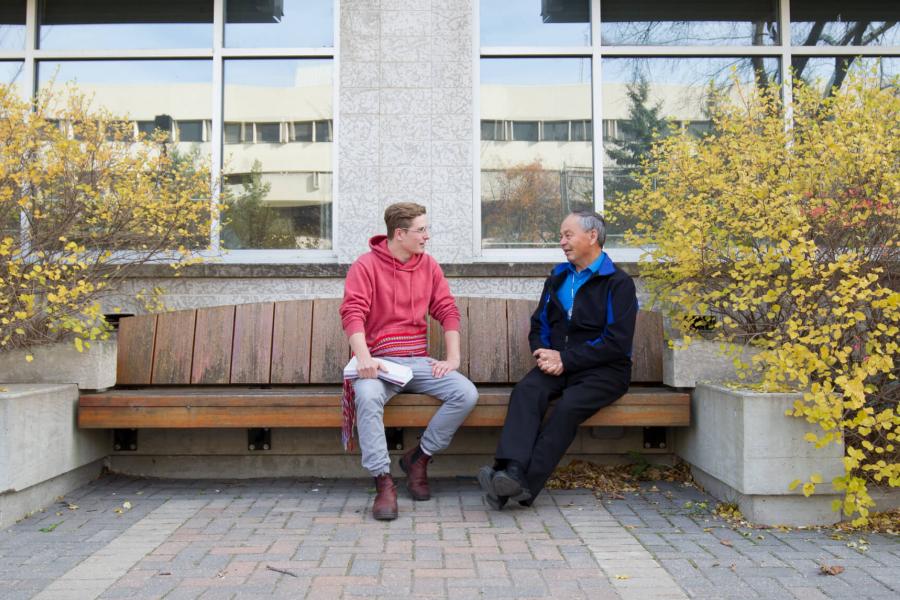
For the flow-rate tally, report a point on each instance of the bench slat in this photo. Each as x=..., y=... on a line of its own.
x=519, y=318
x=488, y=331
x=290, y=341
x=212, y=345
x=179, y=408
x=646, y=353
x=136, y=339
x=251, y=354
x=174, y=347
x=329, y=352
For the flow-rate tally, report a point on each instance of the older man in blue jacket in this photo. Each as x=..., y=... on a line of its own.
x=581, y=336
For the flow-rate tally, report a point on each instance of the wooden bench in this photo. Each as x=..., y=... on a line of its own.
x=279, y=364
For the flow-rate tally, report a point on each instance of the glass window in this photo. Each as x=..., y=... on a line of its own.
x=643, y=95
x=535, y=23
x=232, y=133
x=556, y=131
x=279, y=23
x=526, y=188
x=12, y=25
x=302, y=132
x=268, y=133
x=582, y=130
x=829, y=72
x=525, y=131
x=323, y=131
x=74, y=24
x=833, y=23
x=10, y=71
x=279, y=196
x=190, y=131
x=688, y=22
x=151, y=92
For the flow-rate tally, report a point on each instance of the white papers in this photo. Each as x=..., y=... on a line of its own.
x=395, y=373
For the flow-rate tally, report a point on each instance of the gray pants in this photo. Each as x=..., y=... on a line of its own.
x=457, y=394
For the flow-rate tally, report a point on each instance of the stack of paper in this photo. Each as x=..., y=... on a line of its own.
x=394, y=373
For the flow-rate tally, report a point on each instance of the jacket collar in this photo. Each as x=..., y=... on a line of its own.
x=606, y=267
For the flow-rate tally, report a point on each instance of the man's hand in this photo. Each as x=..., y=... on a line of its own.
x=368, y=367
x=439, y=368
x=549, y=361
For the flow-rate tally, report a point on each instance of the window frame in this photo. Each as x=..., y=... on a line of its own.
x=595, y=52
x=214, y=135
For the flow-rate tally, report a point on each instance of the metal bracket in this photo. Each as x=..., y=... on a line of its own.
x=655, y=438
x=125, y=440
x=259, y=439
x=394, y=437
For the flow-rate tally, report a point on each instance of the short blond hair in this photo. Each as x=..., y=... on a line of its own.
x=400, y=215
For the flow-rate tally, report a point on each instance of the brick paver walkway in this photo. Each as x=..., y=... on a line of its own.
x=315, y=539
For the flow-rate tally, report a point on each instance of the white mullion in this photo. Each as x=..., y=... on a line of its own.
x=846, y=50
x=335, y=123
x=123, y=54
x=787, y=89
x=218, y=120
x=477, y=249
x=597, y=107
x=691, y=51
x=281, y=52
x=27, y=89
x=520, y=51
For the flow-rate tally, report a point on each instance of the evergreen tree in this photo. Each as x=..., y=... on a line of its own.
x=638, y=132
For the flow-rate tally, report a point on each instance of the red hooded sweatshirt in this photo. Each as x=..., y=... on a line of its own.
x=383, y=295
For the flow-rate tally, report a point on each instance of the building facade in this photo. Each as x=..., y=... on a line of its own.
x=500, y=116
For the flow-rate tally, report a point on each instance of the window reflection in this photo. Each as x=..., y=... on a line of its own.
x=689, y=22
x=277, y=155
x=254, y=24
x=644, y=98
x=535, y=23
x=12, y=25
x=827, y=73
x=536, y=154
x=10, y=71
x=831, y=23
x=134, y=24
x=169, y=95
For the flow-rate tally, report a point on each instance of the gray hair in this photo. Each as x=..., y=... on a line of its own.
x=591, y=220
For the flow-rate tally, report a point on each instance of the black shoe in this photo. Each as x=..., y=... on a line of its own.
x=511, y=482
x=485, y=480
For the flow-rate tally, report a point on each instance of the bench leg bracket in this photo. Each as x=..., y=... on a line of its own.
x=125, y=440
x=655, y=438
x=259, y=439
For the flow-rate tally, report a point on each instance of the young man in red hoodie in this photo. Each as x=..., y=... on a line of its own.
x=388, y=294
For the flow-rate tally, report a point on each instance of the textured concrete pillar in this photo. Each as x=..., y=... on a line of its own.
x=406, y=125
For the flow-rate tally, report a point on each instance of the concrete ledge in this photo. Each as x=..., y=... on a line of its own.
x=773, y=509
x=746, y=450
x=93, y=369
x=16, y=505
x=38, y=437
x=702, y=360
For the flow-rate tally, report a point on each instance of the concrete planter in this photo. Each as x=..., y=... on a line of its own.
x=93, y=369
x=43, y=454
x=702, y=360
x=743, y=448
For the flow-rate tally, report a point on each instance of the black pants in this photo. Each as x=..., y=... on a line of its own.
x=539, y=445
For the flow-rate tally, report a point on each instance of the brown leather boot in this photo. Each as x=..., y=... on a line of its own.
x=384, y=508
x=415, y=464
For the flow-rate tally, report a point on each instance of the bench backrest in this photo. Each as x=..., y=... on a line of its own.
x=301, y=341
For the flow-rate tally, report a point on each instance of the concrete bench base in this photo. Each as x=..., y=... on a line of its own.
x=744, y=449
x=42, y=454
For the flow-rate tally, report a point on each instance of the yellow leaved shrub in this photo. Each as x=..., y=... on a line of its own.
x=84, y=200
x=784, y=226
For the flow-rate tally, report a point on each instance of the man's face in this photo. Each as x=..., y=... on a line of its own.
x=578, y=244
x=413, y=238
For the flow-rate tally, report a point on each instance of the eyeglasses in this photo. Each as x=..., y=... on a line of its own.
x=419, y=230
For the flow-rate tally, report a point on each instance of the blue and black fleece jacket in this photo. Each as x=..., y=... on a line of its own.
x=601, y=329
